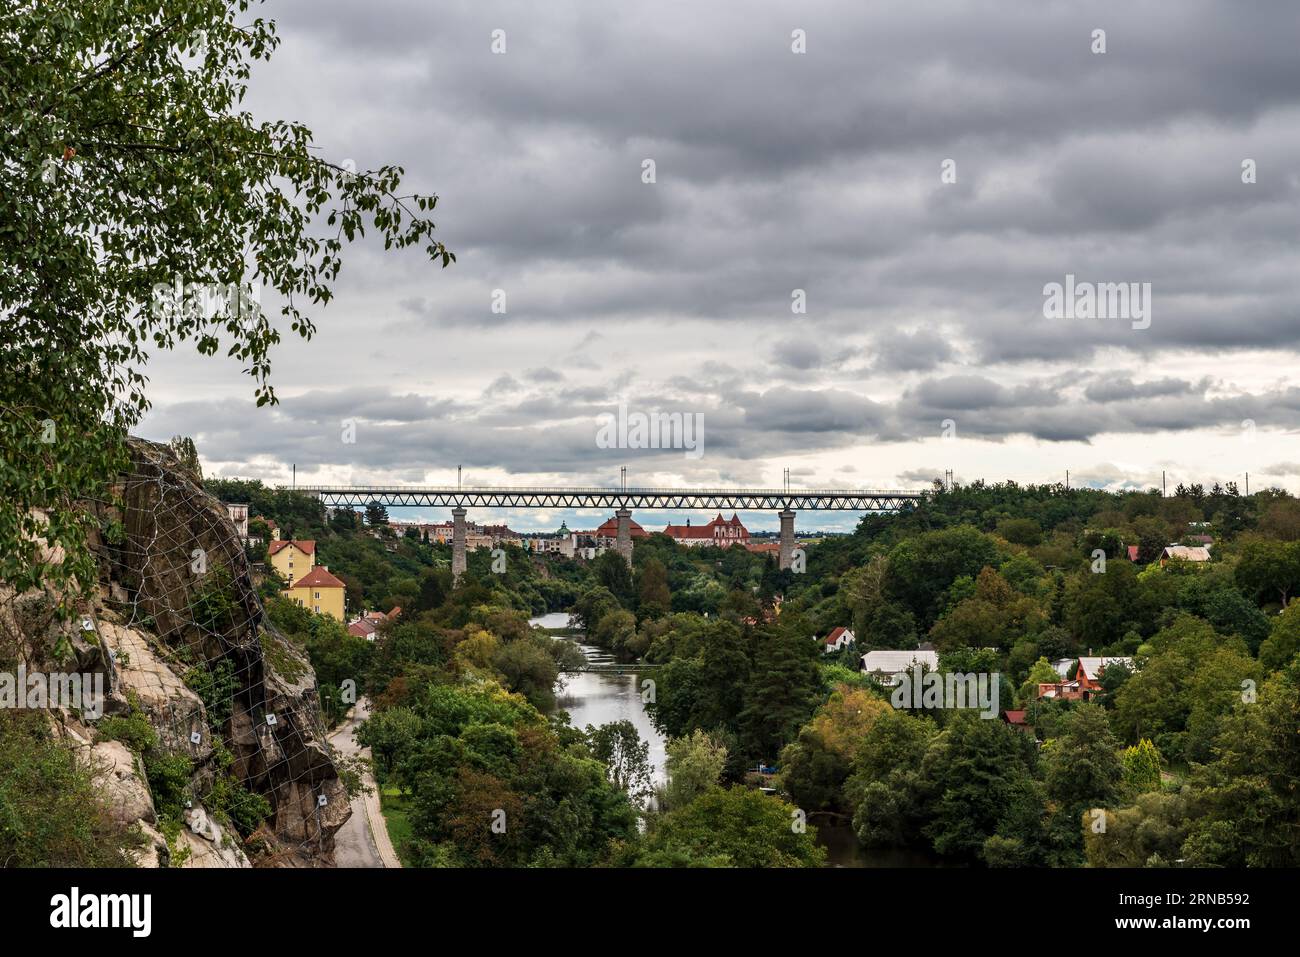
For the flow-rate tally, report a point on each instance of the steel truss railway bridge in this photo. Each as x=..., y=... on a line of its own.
x=784, y=501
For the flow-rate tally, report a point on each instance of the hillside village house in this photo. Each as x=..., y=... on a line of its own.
x=239, y=518
x=838, y=639
x=366, y=625
x=722, y=532
x=1086, y=681
x=292, y=558
x=1185, y=553
x=319, y=592
x=886, y=666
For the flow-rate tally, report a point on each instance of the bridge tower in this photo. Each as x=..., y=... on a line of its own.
x=787, y=538
x=623, y=542
x=458, y=562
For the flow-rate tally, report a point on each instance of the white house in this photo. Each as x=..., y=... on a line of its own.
x=886, y=666
x=838, y=639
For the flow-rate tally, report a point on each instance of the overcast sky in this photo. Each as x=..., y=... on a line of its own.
x=778, y=171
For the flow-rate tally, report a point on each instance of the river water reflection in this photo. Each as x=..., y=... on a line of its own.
x=598, y=699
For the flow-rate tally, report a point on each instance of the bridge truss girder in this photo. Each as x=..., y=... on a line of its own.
x=734, y=499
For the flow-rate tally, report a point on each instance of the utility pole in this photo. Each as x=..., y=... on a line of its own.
x=295, y=475
x=1164, y=491
x=622, y=474
x=458, y=478
x=1247, y=485
x=1067, y=480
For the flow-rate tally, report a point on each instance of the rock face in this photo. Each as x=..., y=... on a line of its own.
x=184, y=567
x=176, y=600
x=123, y=782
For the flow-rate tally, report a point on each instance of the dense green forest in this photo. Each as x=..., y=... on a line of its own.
x=1190, y=757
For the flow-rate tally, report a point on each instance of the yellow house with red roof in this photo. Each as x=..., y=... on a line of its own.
x=292, y=558
x=320, y=592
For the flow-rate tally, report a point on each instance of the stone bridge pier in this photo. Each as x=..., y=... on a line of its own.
x=458, y=562
x=787, y=539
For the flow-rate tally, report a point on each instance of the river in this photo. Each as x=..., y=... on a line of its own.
x=598, y=699
x=603, y=699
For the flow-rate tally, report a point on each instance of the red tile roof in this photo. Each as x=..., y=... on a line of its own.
x=303, y=545
x=318, y=577
x=705, y=531
x=610, y=529
x=834, y=636
x=1015, y=717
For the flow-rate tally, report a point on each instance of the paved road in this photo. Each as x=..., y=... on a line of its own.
x=363, y=840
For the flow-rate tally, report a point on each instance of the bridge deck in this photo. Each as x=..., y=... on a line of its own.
x=862, y=500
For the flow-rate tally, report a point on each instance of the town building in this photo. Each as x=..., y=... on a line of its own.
x=607, y=533
x=442, y=532
x=561, y=542
x=320, y=592
x=239, y=518
x=720, y=532
x=291, y=558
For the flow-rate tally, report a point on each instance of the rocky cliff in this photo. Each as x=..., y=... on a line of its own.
x=177, y=631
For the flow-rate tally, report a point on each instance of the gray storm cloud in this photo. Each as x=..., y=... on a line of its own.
x=777, y=172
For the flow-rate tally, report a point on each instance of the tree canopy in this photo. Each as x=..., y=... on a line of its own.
x=142, y=207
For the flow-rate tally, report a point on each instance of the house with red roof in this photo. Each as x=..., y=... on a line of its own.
x=1017, y=720
x=839, y=639
x=363, y=628
x=291, y=557
x=366, y=625
x=320, y=592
